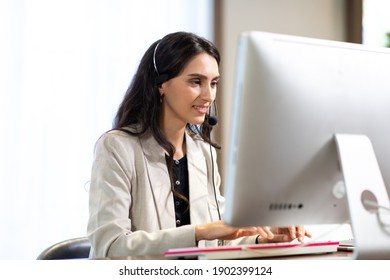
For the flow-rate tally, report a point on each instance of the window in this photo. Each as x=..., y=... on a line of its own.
x=65, y=66
x=376, y=23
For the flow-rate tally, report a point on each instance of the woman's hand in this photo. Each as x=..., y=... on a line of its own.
x=286, y=234
x=219, y=230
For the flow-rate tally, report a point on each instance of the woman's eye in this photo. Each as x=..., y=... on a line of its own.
x=195, y=82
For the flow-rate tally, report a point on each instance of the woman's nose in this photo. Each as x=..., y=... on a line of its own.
x=208, y=93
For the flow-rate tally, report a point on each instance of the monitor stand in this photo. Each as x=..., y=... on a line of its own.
x=368, y=201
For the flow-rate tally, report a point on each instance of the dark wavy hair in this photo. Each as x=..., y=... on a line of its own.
x=163, y=60
x=141, y=104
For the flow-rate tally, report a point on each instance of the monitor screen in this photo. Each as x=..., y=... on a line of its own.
x=292, y=96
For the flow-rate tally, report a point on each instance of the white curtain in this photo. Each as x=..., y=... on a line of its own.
x=64, y=67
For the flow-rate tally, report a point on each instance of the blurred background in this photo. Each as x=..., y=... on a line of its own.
x=65, y=65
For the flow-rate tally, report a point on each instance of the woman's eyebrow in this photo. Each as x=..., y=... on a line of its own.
x=204, y=77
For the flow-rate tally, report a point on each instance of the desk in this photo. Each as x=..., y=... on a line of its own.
x=339, y=255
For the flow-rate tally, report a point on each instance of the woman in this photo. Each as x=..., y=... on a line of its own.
x=155, y=181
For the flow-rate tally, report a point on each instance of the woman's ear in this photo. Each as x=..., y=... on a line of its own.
x=162, y=87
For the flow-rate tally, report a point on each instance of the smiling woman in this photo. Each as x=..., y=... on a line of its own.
x=154, y=163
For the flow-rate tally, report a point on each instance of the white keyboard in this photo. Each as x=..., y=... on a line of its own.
x=255, y=251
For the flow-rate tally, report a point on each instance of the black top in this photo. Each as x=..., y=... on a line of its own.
x=180, y=179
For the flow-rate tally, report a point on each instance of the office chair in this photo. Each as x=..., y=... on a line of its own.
x=75, y=248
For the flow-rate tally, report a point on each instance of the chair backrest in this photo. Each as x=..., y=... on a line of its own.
x=75, y=248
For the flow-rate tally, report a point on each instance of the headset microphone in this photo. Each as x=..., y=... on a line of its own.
x=212, y=120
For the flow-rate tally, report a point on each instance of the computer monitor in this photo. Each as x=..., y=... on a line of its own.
x=310, y=137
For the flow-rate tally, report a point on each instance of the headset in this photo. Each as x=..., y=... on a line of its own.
x=160, y=77
x=212, y=120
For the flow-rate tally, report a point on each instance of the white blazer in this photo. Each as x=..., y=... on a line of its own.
x=131, y=203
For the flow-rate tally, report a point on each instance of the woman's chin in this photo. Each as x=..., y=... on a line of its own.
x=197, y=121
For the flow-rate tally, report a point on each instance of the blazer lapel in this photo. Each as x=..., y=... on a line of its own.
x=160, y=185
x=197, y=172
x=159, y=181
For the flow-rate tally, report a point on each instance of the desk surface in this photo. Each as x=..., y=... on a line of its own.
x=339, y=255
